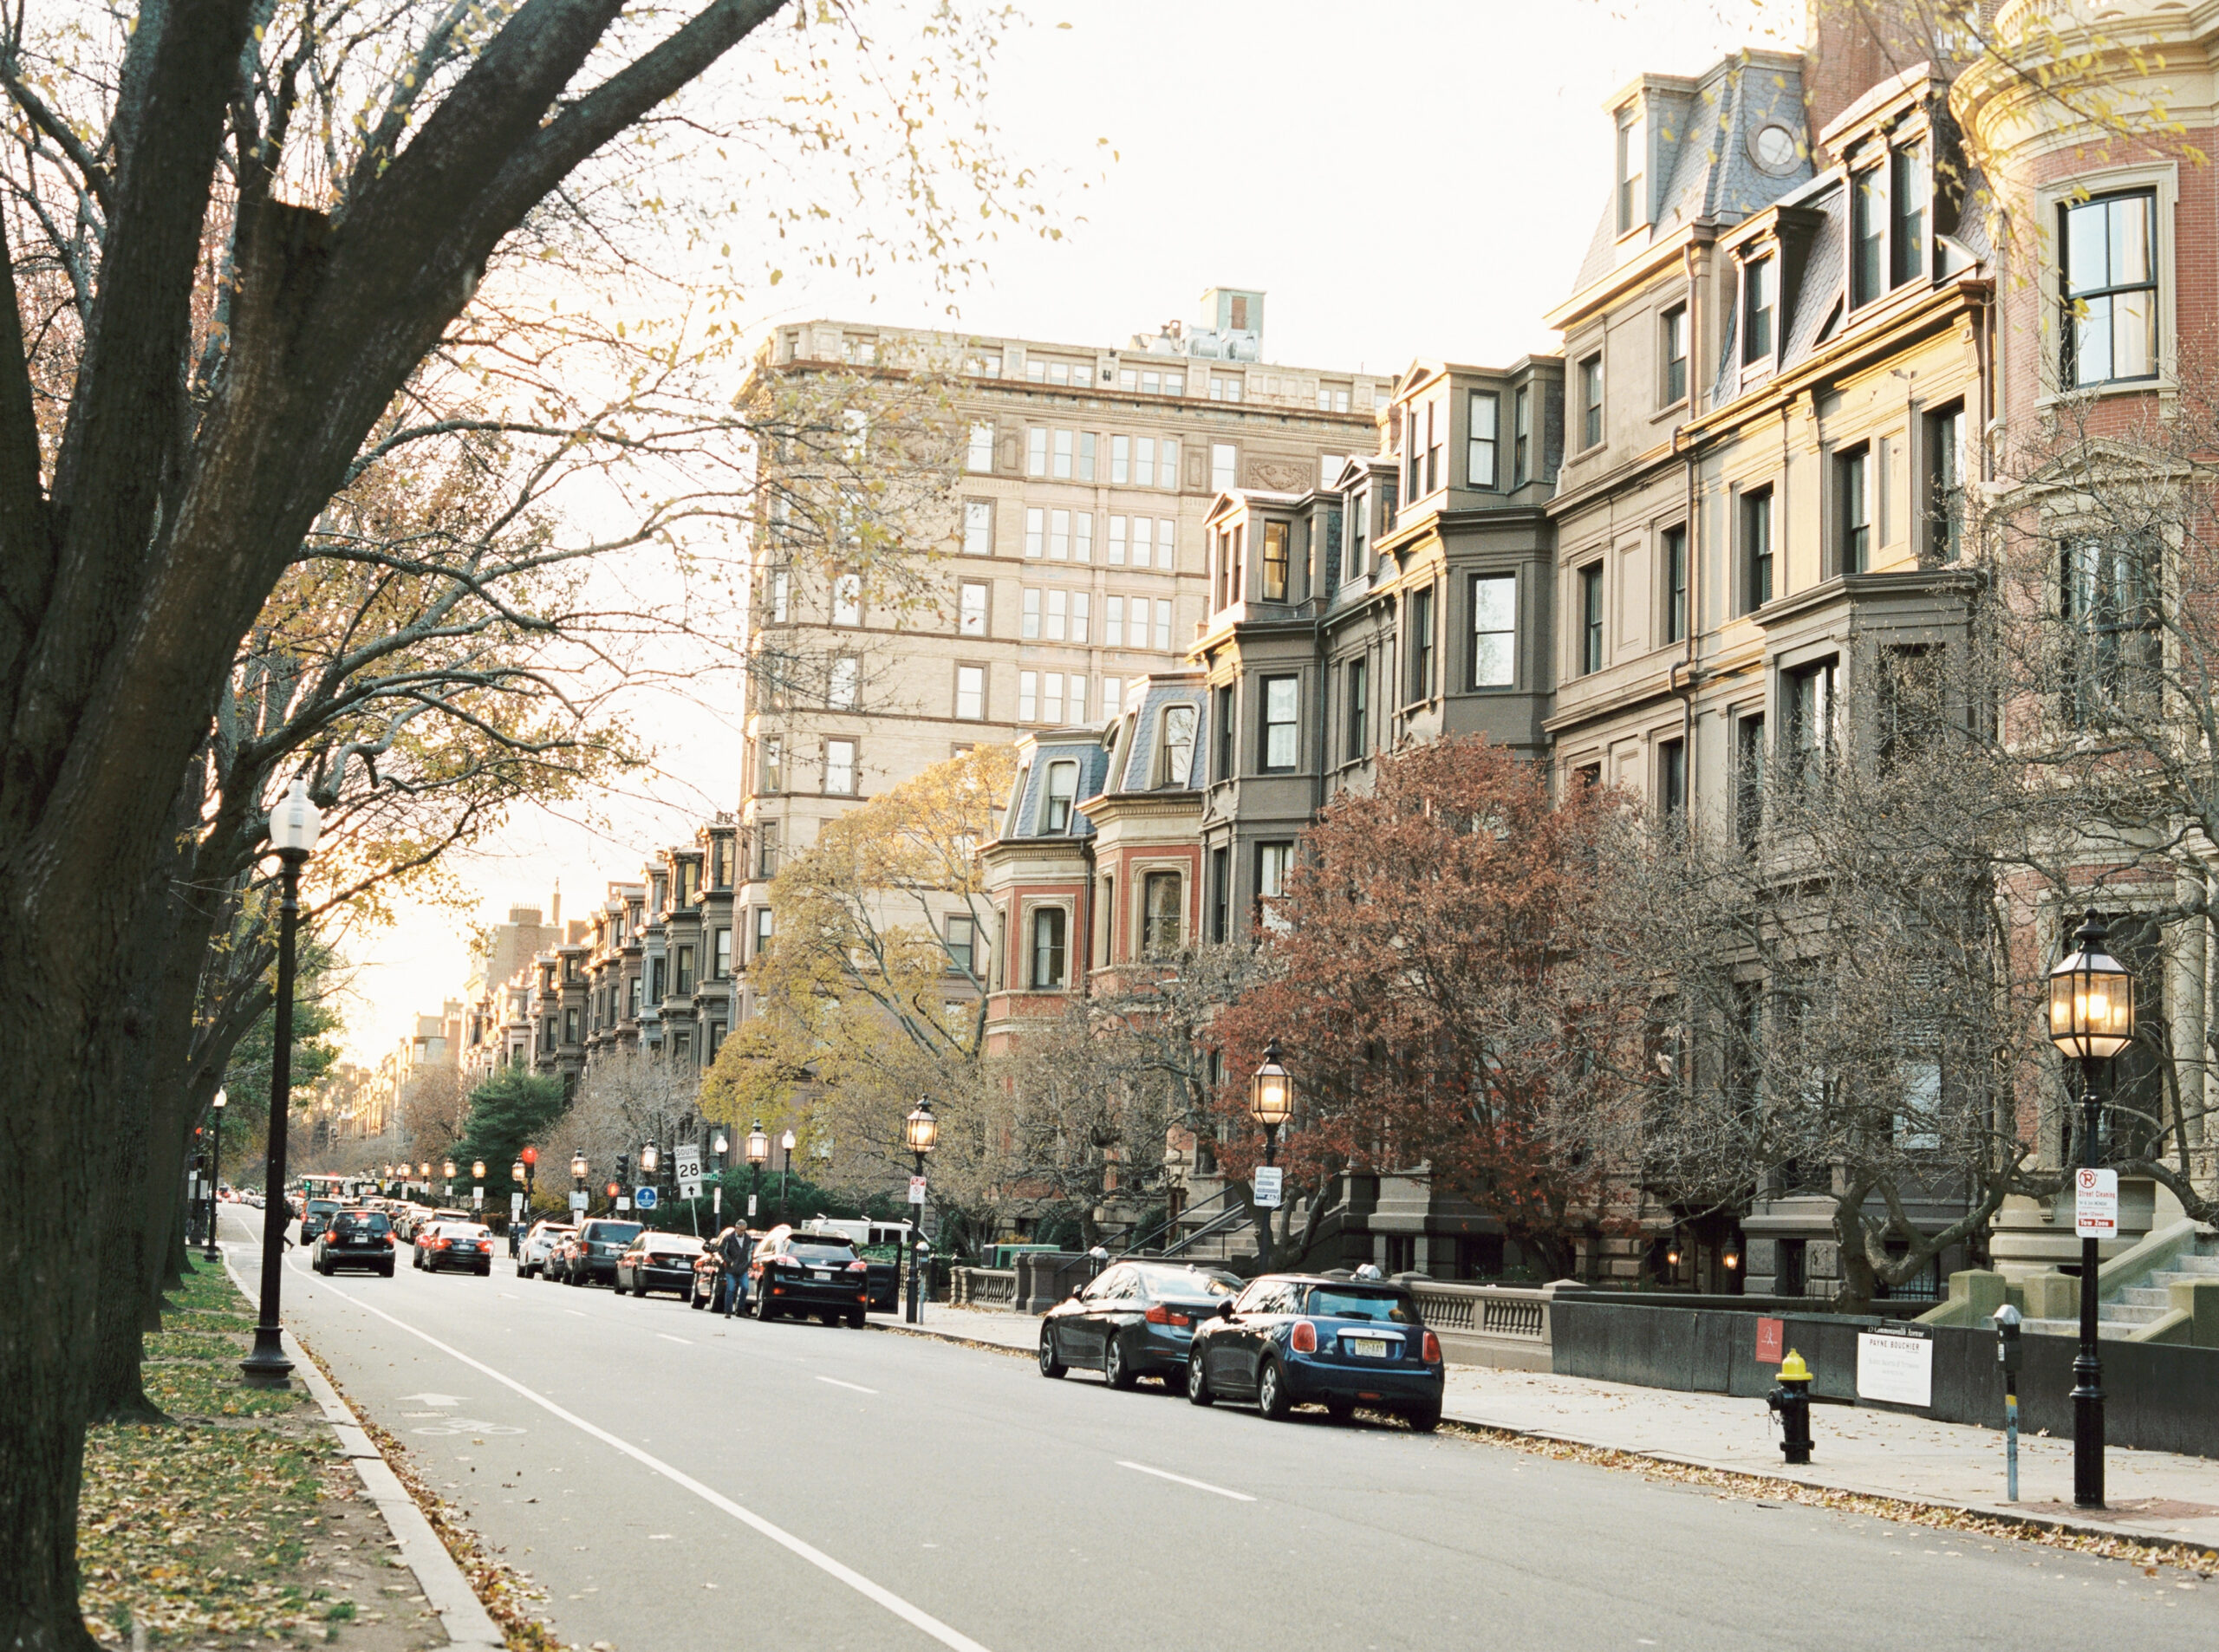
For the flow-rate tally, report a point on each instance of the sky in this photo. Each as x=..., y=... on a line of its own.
x=1402, y=178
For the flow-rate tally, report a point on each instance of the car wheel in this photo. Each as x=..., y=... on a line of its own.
x=572, y=1278
x=1116, y=1368
x=695, y=1302
x=1197, y=1382
x=1424, y=1419
x=1341, y=1411
x=765, y=1313
x=855, y=1319
x=386, y=1272
x=1049, y=1365
x=1271, y=1397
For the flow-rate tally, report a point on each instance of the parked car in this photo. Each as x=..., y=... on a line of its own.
x=455, y=1245
x=1132, y=1320
x=807, y=1273
x=556, y=1269
x=881, y=1245
x=593, y=1254
x=1293, y=1339
x=658, y=1262
x=538, y=1245
x=319, y=1212
x=354, y=1238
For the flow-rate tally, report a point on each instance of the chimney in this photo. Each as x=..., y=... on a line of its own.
x=1851, y=46
x=555, y=917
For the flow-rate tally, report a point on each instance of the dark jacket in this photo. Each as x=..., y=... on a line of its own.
x=736, y=1247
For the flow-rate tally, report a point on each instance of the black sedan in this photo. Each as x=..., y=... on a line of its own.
x=1294, y=1339
x=658, y=1262
x=455, y=1245
x=319, y=1212
x=807, y=1273
x=354, y=1238
x=1133, y=1320
x=593, y=1255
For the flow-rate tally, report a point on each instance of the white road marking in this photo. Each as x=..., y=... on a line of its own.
x=574, y=1313
x=838, y=1384
x=1198, y=1485
x=667, y=1337
x=916, y=1617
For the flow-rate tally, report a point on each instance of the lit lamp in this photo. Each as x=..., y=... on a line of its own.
x=215, y=1170
x=649, y=1159
x=921, y=1130
x=2091, y=1019
x=295, y=824
x=758, y=1149
x=448, y=1165
x=1271, y=1098
x=720, y=1146
x=785, y=1171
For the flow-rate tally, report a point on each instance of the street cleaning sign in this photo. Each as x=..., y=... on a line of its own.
x=2095, y=1204
x=1268, y=1186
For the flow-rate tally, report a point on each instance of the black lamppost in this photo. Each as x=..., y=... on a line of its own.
x=2091, y=1019
x=650, y=1161
x=424, y=1177
x=516, y=1217
x=720, y=1146
x=1271, y=1098
x=447, y=1167
x=759, y=1150
x=785, y=1174
x=922, y=1130
x=294, y=825
x=578, y=1187
x=477, y=1184
x=215, y=1171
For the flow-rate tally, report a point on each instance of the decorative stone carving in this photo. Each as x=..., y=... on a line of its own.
x=1277, y=475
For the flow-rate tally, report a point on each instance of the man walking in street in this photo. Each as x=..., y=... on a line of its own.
x=736, y=1246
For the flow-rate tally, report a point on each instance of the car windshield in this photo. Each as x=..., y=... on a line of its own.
x=612, y=1232
x=360, y=1222
x=462, y=1231
x=679, y=1246
x=1334, y=1302
x=1187, y=1282
x=323, y=1206
x=822, y=1250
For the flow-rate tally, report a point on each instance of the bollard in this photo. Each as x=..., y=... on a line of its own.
x=1792, y=1401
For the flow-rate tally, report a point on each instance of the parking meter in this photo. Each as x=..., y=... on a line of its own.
x=2007, y=1355
x=2008, y=1349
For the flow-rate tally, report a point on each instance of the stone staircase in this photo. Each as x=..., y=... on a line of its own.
x=2125, y=1312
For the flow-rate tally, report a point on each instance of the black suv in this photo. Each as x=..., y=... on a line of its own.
x=807, y=1273
x=354, y=1238
x=598, y=1247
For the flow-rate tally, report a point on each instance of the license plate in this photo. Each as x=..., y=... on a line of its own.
x=1370, y=1347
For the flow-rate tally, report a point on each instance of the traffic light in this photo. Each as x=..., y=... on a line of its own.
x=624, y=1169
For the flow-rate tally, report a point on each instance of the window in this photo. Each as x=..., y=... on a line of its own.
x=1163, y=623
x=848, y=599
x=1082, y=536
x=1521, y=436
x=1945, y=482
x=1059, y=536
x=767, y=848
x=971, y=693
x=2113, y=640
x=970, y=611
x=1220, y=893
x=1674, y=333
x=1113, y=623
x=1065, y=450
x=962, y=944
x=1749, y=778
x=840, y=768
x=1359, y=707
x=1758, y=298
x=1590, y=401
x=1063, y=793
x=1029, y=621
x=983, y=367
x=1907, y=202
x=1275, y=534
x=841, y=683
x=771, y=773
x=1854, y=510
x=570, y=1026
x=1036, y=452
x=720, y=872
x=1048, y=926
x=632, y=985
x=1221, y=731
x=1756, y=550
x=1143, y=542
x=1082, y=603
x=1590, y=618
x=1494, y=630
x=1118, y=540
x=2110, y=290
x=1868, y=230
x=1028, y=696
x=1910, y=702
x=1162, y=915
x=765, y=927
x=780, y=584
x=1417, y=647
x=1633, y=206
x=723, y=940
x=1813, y=702
x=1176, y=765
x=1170, y=472
x=1483, y=416
x=1078, y=685
x=1280, y=721
x=1036, y=531
x=1113, y=697
x=1437, y=432
x=1223, y=466
x=1144, y=461
x=1057, y=627
x=978, y=456
x=1675, y=559
x=1273, y=860
x=1672, y=778
x=1225, y=387
x=978, y=528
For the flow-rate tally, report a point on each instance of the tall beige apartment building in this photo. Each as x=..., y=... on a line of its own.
x=1077, y=562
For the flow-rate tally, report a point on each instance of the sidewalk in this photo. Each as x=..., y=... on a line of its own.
x=2156, y=1497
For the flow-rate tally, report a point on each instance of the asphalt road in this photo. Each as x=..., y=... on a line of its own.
x=678, y=1482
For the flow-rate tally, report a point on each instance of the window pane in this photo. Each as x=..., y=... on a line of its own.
x=1144, y=537
x=2129, y=240
x=1036, y=530
x=2134, y=334
x=2091, y=352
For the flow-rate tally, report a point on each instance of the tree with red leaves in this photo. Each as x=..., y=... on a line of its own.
x=1456, y=993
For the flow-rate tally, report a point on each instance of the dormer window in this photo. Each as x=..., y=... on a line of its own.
x=1868, y=224
x=1275, y=561
x=1909, y=192
x=1063, y=792
x=1178, y=755
x=1633, y=206
x=1760, y=298
x=2109, y=290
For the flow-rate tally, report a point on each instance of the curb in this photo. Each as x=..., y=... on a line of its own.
x=462, y=1615
x=2063, y=1524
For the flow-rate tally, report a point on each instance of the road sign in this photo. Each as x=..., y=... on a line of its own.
x=2095, y=1204
x=689, y=1187
x=478, y=1199
x=751, y=1207
x=516, y=1205
x=1268, y=1186
x=623, y=1203
x=688, y=1161
x=645, y=1198
x=917, y=1190
x=577, y=1201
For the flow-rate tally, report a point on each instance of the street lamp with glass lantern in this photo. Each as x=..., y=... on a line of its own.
x=719, y=1147
x=515, y=1225
x=578, y=1170
x=921, y=1130
x=477, y=1184
x=758, y=1149
x=446, y=1168
x=2091, y=1019
x=215, y=1171
x=1271, y=1098
x=786, y=1172
x=294, y=826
